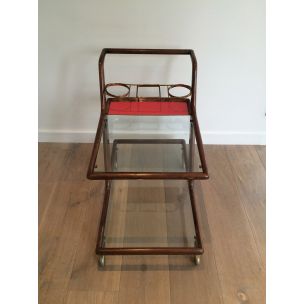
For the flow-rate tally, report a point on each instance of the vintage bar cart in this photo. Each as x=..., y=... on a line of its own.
x=144, y=111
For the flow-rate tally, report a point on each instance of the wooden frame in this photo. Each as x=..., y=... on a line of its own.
x=91, y=174
x=102, y=250
x=108, y=175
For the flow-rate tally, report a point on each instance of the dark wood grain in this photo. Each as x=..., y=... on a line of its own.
x=261, y=150
x=250, y=178
x=232, y=267
x=239, y=263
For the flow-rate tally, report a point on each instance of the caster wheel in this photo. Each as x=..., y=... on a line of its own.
x=101, y=261
x=197, y=260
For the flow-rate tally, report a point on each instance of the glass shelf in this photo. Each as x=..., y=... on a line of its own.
x=147, y=147
x=149, y=214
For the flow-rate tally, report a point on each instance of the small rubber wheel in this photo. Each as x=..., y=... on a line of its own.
x=197, y=258
x=101, y=261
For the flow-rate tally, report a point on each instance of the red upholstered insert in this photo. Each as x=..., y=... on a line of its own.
x=148, y=108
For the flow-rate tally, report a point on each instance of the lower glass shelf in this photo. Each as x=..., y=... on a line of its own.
x=150, y=213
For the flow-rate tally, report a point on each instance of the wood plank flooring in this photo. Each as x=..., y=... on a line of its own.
x=232, y=222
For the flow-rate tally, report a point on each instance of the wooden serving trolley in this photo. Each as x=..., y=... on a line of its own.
x=191, y=167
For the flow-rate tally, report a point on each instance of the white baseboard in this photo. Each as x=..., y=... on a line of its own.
x=66, y=136
x=209, y=137
x=234, y=138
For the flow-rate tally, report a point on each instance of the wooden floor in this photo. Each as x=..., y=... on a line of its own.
x=232, y=222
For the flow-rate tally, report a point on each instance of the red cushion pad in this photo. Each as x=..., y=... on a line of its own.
x=148, y=108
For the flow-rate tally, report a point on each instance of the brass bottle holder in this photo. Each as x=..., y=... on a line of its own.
x=137, y=86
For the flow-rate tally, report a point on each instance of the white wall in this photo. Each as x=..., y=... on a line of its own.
x=228, y=38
